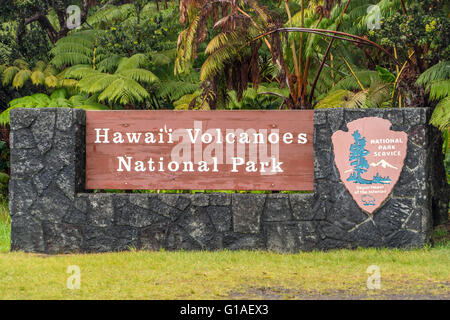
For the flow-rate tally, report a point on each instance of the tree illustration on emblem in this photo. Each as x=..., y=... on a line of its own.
x=359, y=162
x=358, y=158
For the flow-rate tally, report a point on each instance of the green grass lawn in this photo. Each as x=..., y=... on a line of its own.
x=5, y=227
x=422, y=273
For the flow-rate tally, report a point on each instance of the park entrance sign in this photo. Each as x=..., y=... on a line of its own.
x=368, y=173
x=215, y=150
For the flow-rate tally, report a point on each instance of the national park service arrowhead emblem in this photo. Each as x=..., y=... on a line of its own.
x=369, y=158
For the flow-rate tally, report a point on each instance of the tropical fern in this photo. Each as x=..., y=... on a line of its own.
x=5, y=53
x=336, y=99
x=19, y=74
x=184, y=103
x=436, y=80
x=441, y=115
x=376, y=96
x=366, y=77
x=57, y=99
x=110, y=14
x=124, y=86
x=77, y=48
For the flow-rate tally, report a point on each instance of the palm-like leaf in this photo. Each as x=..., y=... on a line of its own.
x=9, y=74
x=216, y=61
x=38, y=78
x=133, y=62
x=56, y=100
x=21, y=78
x=436, y=80
x=21, y=64
x=123, y=86
x=441, y=115
x=140, y=75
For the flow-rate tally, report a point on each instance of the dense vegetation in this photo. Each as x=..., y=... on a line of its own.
x=216, y=54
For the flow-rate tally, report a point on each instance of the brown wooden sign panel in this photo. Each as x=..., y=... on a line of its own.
x=214, y=150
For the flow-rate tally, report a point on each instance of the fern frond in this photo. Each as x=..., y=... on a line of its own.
x=124, y=91
x=136, y=61
x=184, y=102
x=439, y=89
x=68, y=83
x=436, y=79
x=96, y=82
x=186, y=46
x=440, y=71
x=59, y=103
x=221, y=40
x=92, y=107
x=111, y=14
x=38, y=78
x=40, y=66
x=9, y=74
x=140, y=75
x=356, y=100
x=21, y=64
x=70, y=58
x=159, y=59
x=366, y=77
x=50, y=70
x=73, y=47
x=378, y=95
x=215, y=63
x=51, y=81
x=21, y=78
x=109, y=64
x=58, y=94
x=335, y=99
x=441, y=115
x=79, y=71
x=175, y=89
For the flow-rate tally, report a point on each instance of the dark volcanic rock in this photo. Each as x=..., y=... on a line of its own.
x=52, y=213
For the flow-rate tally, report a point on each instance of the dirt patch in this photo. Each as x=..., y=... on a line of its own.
x=278, y=293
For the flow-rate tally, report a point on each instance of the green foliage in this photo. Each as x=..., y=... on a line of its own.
x=185, y=102
x=366, y=77
x=266, y=97
x=123, y=86
x=426, y=25
x=378, y=95
x=19, y=74
x=436, y=80
x=385, y=74
x=77, y=48
x=59, y=98
x=441, y=114
x=174, y=89
x=126, y=35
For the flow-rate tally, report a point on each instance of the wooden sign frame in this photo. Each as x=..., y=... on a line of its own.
x=272, y=150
